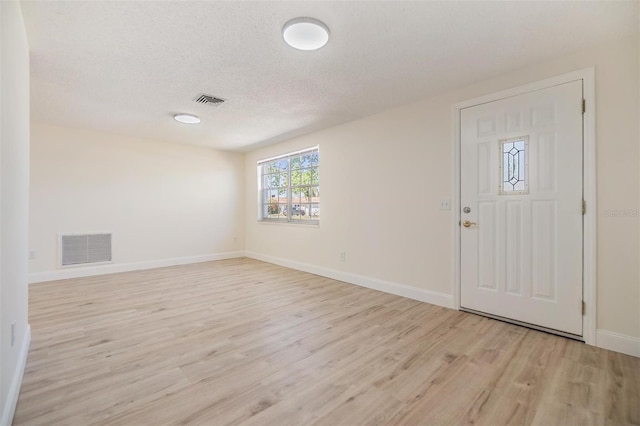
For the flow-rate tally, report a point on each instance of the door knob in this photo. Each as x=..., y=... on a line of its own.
x=467, y=223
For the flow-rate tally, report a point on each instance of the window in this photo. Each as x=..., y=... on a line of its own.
x=290, y=187
x=514, y=165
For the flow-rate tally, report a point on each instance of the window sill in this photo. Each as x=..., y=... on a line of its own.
x=294, y=224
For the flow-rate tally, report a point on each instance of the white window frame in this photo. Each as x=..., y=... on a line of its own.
x=288, y=208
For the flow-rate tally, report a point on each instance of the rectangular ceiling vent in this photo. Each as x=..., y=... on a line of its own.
x=82, y=249
x=208, y=100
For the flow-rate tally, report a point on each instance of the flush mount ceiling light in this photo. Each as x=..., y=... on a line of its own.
x=305, y=33
x=187, y=118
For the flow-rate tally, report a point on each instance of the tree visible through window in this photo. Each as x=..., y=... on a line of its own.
x=290, y=187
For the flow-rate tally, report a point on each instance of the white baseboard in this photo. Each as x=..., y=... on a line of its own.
x=9, y=407
x=618, y=342
x=435, y=298
x=112, y=268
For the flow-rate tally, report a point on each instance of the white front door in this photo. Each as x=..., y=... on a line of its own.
x=521, y=200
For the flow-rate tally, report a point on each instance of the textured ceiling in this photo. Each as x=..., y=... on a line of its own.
x=127, y=67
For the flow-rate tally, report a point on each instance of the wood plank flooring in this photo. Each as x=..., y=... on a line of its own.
x=245, y=342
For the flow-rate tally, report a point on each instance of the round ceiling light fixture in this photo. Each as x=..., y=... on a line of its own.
x=187, y=118
x=305, y=33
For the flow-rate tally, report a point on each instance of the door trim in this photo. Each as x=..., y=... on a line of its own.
x=589, y=271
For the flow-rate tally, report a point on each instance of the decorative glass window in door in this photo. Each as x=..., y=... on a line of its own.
x=514, y=173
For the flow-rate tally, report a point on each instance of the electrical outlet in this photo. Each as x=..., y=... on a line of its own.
x=13, y=333
x=445, y=205
x=32, y=254
x=235, y=239
x=343, y=256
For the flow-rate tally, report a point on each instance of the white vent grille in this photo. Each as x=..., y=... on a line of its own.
x=208, y=100
x=80, y=249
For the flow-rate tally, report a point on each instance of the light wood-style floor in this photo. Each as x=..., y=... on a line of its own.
x=246, y=342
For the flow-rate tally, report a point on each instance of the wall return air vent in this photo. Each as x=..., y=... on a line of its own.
x=83, y=249
x=208, y=100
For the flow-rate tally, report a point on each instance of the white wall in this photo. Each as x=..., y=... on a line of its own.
x=382, y=178
x=164, y=202
x=14, y=197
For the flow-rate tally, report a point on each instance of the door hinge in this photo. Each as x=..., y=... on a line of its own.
x=584, y=207
x=584, y=307
x=584, y=106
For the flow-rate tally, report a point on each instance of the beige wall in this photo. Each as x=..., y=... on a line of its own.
x=383, y=176
x=14, y=197
x=160, y=200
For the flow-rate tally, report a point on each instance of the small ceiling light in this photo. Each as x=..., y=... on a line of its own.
x=187, y=118
x=305, y=33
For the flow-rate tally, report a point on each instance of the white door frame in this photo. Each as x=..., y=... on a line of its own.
x=587, y=75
